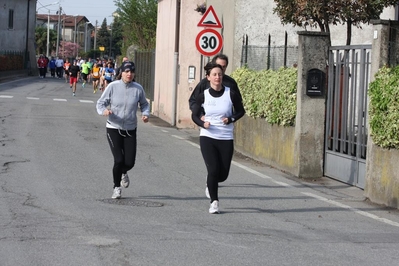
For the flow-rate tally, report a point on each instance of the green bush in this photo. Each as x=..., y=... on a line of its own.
x=269, y=94
x=384, y=108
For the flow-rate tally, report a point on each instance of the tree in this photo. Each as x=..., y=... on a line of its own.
x=103, y=35
x=353, y=13
x=41, y=40
x=68, y=49
x=322, y=13
x=117, y=36
x=139, y=20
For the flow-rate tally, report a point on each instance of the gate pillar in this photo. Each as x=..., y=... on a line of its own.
x=310, y=118
x=382, y=174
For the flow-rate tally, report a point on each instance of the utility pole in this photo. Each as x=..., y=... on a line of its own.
x=48, y=34
x=95, y=36
x=48, y=27
x=63, y=36
x=85, y=37
x=110, y=42
x=58, y=30
x=95, y=39
x=74, y=38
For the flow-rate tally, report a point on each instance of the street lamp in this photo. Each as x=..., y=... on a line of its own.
x=48, y=33
x=63, y=27
x=48, y=26
x=86, y=35
x=58, y=30
x=74, y=38
x=63, y=32
x=44, y=7
x=110, y=42
x=95, y=37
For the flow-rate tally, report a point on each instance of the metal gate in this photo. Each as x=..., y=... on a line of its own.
x=346, y=114
x=145, y=71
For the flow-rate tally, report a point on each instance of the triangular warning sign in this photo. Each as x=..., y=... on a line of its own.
x=210, y=19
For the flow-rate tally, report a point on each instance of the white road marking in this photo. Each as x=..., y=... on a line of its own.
x=252, y=171
x=366, y=214
x=282, y=184
x=36, y=98
x=363, y=213
x=178, y=137
x=194, y=144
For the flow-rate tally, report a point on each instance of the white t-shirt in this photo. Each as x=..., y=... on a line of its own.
x=215, y=109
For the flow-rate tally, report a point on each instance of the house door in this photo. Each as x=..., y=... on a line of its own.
x=346, y=113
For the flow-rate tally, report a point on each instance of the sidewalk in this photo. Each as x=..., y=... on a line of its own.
x=325, y=185
x=13, y=74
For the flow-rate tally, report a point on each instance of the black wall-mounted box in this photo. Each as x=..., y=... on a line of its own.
x=316, y=82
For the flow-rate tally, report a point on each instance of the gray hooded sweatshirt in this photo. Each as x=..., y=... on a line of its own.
x=123, y=100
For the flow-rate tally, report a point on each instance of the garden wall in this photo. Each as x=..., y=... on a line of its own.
x=382, y=174
x=266, y=143
x=297, y=150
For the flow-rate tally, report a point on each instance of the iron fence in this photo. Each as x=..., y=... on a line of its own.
x=268, y=57
x=145, y=71
x=13, y=60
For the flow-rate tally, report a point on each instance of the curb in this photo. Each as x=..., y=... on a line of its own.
x=12, y=75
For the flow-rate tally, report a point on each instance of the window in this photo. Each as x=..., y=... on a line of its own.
x=11, y=19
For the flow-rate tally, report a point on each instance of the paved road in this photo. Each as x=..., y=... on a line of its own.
x=56, y=185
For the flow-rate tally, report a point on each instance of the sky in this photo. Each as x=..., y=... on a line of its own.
x=92, y=9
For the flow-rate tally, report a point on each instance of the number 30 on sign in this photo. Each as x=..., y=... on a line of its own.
x=209, y=42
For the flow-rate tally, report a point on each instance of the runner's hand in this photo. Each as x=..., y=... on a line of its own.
x=107, y=112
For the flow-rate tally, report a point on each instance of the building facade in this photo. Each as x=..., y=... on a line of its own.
x=17, y=32
x=75, y=29
x=176, y=50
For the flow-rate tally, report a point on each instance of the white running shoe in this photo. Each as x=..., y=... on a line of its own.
x=125, y=180
x=214, y=207
x=117, y=193
x=207, y=193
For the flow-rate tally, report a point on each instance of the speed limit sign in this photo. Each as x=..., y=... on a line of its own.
x=209, y=42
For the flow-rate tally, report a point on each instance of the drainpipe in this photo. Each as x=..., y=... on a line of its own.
x=174, y=86
x=27, y=60
x=176, y=64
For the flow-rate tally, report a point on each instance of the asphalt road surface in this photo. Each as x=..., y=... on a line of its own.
x=56, y=206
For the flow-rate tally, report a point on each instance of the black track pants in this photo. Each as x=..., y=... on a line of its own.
x=123, y=144
x=217, y=155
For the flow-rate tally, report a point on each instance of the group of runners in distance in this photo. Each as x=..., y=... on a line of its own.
x=99, y=71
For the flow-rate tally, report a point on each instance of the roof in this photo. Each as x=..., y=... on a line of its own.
x=68, y=19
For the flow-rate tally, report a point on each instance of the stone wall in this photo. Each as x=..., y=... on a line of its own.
x=382, y=174
x=266, y=143
x=298, y=150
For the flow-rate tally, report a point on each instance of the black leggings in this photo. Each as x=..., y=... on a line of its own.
x=42, y=71
x=217, y=155
x=123, y=144
x=59, y=71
